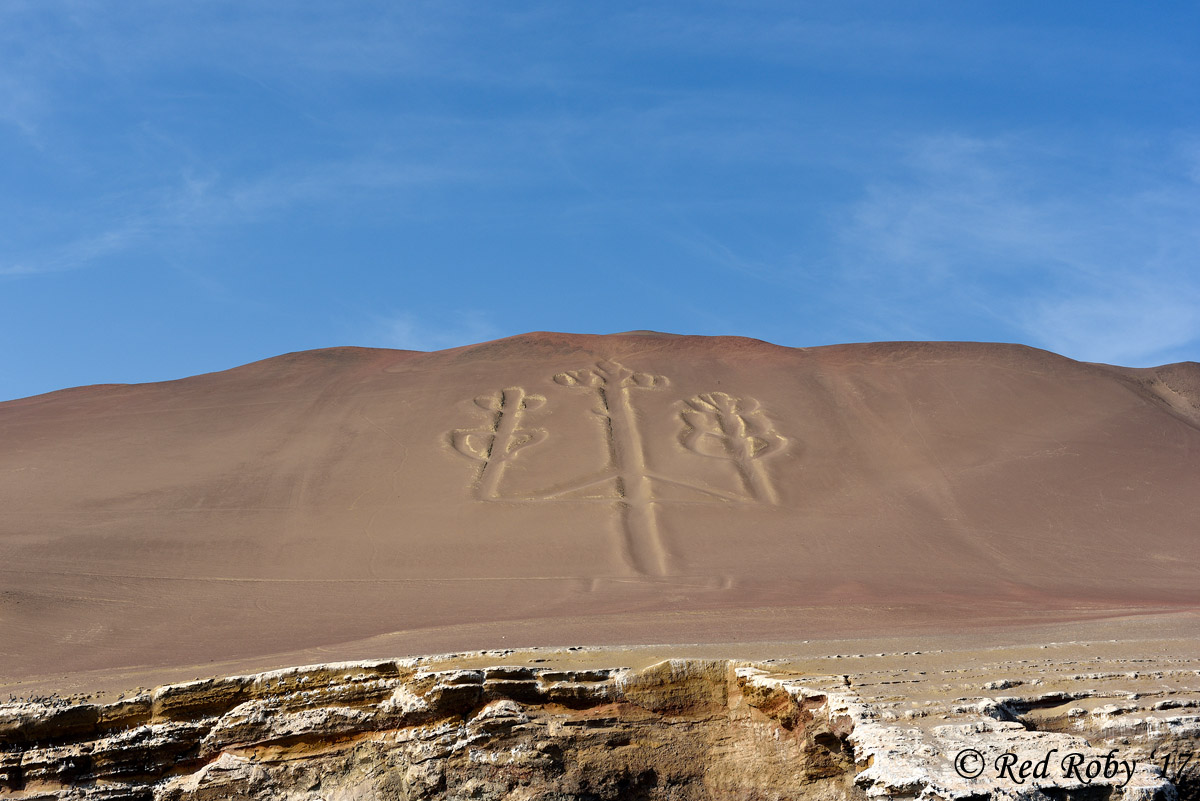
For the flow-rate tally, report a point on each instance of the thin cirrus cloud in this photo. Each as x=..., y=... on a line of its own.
x=411, y=331
x=221, y=200
x=79, y=253
x=1095, y=264
x=1137, y=323
x=801, y=172
x=195, y=202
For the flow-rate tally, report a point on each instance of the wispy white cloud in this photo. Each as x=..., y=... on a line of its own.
x=700, y=132
x=78, y=253
x=407, y=330
x=19, y=107
x=1138, y=322
x=143, y=171
x=1095, y=261
x=195, y=202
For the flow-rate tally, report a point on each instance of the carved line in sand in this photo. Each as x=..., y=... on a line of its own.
x=494, y=447
x=715, y=425
x=611, y=382
x=721, y=426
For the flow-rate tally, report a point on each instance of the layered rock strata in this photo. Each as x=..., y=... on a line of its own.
x=680, y=729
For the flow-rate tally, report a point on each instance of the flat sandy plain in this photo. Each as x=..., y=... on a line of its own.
x=642, y=494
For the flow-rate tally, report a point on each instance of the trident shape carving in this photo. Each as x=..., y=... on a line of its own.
x=715, y=425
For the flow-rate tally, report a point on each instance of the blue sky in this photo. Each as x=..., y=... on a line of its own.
x=189, y=186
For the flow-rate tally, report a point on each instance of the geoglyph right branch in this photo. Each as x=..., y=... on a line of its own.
x=721, y=426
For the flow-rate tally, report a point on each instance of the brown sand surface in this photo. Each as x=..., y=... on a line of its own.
x=1148, y=641
x=553, y=490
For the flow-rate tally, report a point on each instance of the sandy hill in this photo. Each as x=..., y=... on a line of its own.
x=557, y=489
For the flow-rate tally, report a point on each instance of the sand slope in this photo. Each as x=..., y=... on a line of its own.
x=639, y=487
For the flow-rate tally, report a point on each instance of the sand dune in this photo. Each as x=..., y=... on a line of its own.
x=554, y=489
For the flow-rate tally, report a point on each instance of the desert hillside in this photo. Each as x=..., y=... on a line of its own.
x=553, y=489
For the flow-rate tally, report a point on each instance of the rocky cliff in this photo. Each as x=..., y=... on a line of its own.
x=679, y=729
